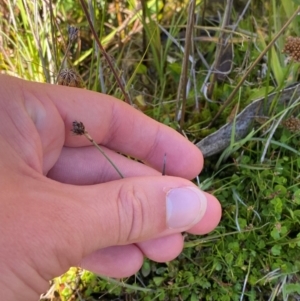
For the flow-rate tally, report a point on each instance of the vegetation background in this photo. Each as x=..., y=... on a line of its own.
x=179, y=62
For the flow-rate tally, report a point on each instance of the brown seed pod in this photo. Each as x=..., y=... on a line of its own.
x=69, y=77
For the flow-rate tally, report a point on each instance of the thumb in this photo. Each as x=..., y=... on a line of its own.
x=136, y=209
x=123, y=212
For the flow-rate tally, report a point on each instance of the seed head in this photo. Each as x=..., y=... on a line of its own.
x=72, y=32
x=78, y=128
x=69, y=77
x=292, y=48
x=292, y=124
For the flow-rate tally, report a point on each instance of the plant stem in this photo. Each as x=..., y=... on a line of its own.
x=231, y=96
x=126, y=97
x=87, y=135
x=182, y=89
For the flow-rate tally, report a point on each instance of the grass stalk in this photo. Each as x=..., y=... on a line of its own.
x=257, y=60
x=182, y=88
x=222, y=47
x=103, y=51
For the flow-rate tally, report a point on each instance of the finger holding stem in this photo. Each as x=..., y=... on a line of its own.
x=79, y=129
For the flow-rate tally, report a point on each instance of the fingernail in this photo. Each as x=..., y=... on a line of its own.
x=185, y=207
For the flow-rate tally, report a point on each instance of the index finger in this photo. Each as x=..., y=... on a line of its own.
x=122, y=128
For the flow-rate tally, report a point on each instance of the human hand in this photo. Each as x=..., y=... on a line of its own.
x=62, y=204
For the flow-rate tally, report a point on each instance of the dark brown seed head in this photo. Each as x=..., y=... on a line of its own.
x=78, y=128
x=73, y=32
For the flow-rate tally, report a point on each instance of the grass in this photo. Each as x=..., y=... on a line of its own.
x=254, y=252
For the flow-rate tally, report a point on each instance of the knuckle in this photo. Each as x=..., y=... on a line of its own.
x=131, y=209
